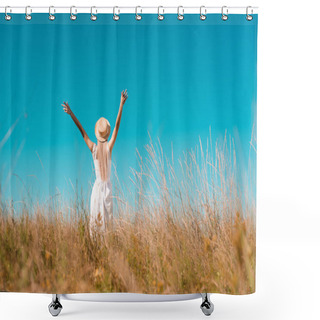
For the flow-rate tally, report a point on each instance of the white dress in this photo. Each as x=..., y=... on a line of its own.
x=101, y=207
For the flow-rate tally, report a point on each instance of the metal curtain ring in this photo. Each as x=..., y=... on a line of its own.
x=203, y=13
x=6, y=15
x=224, y=13
x=28, y=13
x=73, y=15
x=180, y=14
x=249, y=17
x=160, y=16
x=116, y=16
x=93, y=17
x=138, y=16
x=51, y=13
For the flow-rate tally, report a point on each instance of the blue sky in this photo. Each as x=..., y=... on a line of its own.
x=182, y=78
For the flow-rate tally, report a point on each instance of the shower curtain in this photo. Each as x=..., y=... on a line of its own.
x=128, y=154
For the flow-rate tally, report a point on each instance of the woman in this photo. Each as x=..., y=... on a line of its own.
x=101, y=196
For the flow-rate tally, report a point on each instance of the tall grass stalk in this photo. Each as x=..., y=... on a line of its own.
x=189, y=229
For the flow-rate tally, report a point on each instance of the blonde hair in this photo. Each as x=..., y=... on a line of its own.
x=104, y=157
x=102, y=131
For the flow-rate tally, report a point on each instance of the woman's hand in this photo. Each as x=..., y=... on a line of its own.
x=66, y=108
x=124, y=96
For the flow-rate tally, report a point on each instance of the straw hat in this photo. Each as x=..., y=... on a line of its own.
x=102, y=129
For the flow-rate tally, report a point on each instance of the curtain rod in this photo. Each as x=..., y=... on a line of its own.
x=137, y=9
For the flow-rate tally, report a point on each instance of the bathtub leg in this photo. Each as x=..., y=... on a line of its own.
x=55, y=306
x=206, y=305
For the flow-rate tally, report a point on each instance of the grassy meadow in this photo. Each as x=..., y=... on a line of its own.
x=190, y=229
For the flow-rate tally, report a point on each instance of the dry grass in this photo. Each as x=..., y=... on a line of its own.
x=190, y=229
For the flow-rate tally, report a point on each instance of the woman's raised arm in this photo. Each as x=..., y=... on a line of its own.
x=124, y=96
x=67, y=109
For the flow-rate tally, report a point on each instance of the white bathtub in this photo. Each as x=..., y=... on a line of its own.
x=55, y=306
x=129, y=297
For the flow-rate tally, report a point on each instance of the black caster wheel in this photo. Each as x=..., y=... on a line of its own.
x=206, y=305
x=55, y=306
